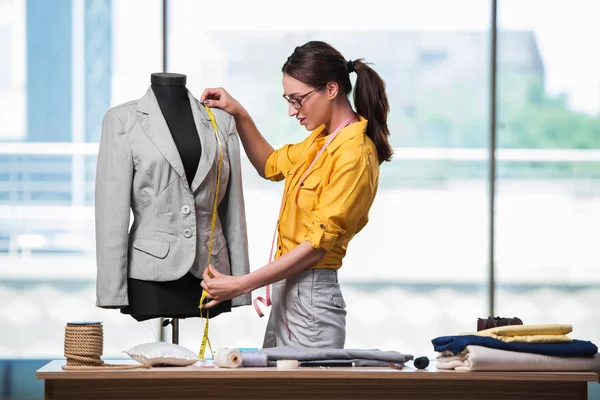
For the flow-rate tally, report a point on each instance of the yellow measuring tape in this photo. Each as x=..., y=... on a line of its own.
x=205, y=339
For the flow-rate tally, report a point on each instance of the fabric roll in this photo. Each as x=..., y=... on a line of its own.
x=228, y=358
x=254, y=359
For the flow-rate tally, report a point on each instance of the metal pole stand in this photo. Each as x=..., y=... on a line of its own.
x=175, y=335
x=174, y=322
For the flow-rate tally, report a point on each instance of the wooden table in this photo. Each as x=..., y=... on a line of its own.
x=310, y=383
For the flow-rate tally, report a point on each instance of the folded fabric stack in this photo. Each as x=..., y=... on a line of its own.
x=360, y=357
x=517, y=348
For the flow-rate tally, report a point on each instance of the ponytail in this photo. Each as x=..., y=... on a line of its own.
x=316, y=63
x=371, y=102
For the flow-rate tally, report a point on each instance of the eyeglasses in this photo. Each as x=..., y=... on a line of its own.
x=296, y=102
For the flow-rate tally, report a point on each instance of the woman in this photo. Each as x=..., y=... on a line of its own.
x=331, y=179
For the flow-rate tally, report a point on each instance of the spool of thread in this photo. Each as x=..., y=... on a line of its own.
x=254, y=359
x=287, y=364
x=84, y=342
x=421, y=362
x=228, y=358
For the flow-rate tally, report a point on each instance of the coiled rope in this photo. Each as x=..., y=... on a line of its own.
x=83, y=348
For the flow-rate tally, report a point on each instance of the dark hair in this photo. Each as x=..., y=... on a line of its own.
x=317, y=63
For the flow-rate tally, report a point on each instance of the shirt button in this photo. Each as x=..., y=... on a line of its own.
x=187, y=233
x=185, y=209
x=322, y=226
x=302, y=184
x=279, y=247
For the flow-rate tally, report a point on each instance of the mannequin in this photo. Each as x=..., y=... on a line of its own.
x=171, y=93
x=179, y=298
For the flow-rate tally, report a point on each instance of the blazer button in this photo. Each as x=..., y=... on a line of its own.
x=185, y=209
x=187, y=233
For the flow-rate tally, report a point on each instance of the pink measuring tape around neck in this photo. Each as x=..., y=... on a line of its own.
x=267, y=301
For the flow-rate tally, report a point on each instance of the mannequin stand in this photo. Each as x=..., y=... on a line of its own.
x=175, y=333
x=174, y=322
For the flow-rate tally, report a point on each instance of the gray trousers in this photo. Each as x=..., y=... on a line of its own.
x=307, y=310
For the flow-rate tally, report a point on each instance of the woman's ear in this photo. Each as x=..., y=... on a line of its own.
x=332, y=90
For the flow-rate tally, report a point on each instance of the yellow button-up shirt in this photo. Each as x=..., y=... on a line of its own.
x=332, y=204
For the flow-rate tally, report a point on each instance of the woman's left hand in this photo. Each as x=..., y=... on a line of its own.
x=220, y=287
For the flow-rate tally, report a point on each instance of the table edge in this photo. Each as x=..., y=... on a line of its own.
x=52, y=371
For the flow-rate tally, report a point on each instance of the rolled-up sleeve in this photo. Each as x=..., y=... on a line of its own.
x=277, y=163
x=281, y=161
x=343, y=203
x=284, y=159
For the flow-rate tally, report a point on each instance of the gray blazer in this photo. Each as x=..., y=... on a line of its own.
x=139, y=169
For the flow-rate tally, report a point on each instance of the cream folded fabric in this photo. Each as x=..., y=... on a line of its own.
x=478, y=358
x=547, y=333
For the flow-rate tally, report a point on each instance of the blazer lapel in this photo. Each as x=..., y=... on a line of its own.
x=207, y=140
x=154, y=124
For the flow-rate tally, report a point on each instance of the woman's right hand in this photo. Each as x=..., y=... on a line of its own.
x=255, y=145
x=219, y=98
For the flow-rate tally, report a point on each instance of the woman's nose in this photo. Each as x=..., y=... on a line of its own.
x=292, y=111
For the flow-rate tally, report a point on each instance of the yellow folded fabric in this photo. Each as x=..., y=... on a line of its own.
x=535, y=339
x=549, y=333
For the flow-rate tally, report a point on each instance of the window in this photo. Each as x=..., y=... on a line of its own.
x=63, y=68
x=426, y=240
x=548, y=223
x=420, y=267
x=432, y=57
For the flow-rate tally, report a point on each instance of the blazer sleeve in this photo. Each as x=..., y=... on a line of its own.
x=114, y=176
x=232, y=215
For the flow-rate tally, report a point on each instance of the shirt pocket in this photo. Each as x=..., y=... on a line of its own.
x=308, y=192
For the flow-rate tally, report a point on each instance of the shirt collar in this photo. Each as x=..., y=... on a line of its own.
x=352, y=130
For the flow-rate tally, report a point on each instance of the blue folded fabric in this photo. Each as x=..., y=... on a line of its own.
x=456, y=344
